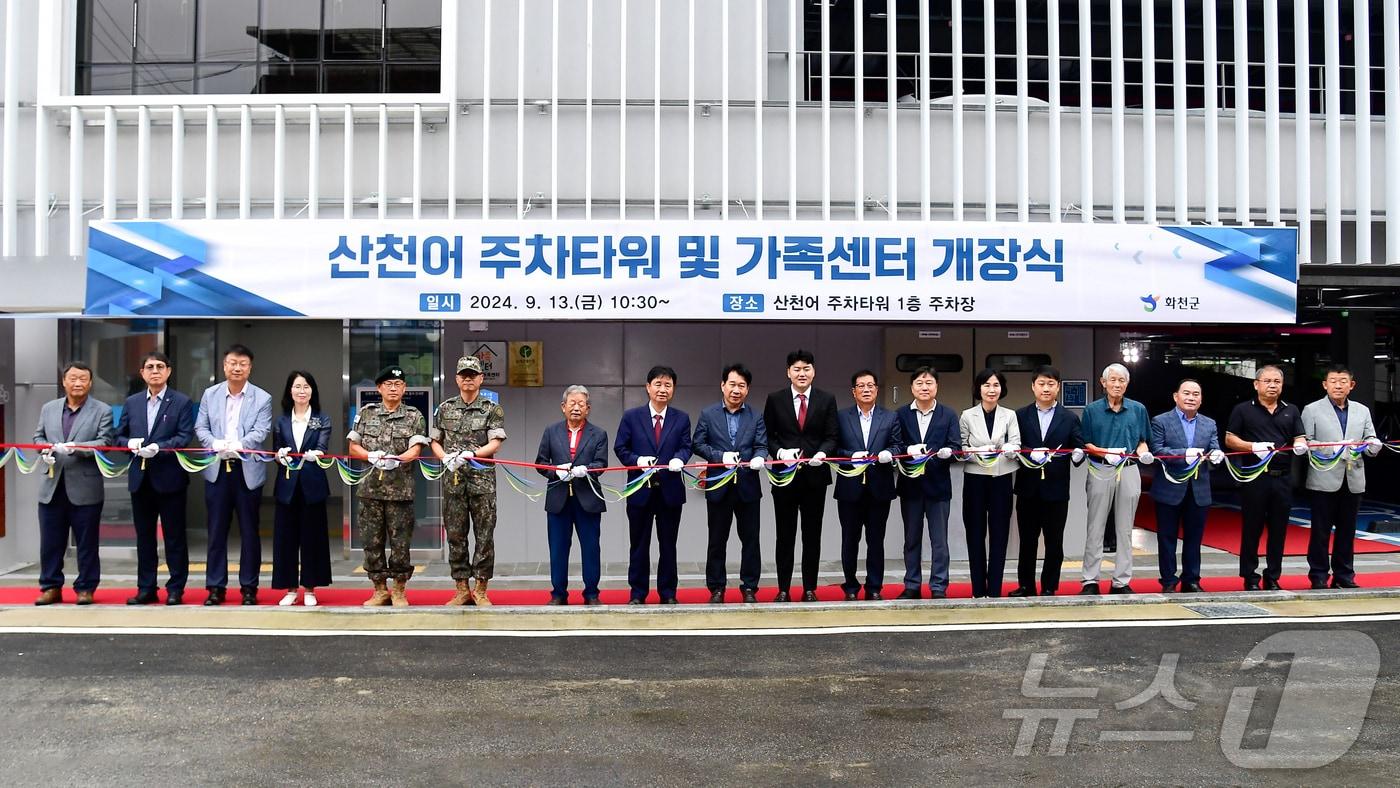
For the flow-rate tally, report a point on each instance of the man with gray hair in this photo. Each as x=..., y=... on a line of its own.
x=573, y=448
x=1114, y=428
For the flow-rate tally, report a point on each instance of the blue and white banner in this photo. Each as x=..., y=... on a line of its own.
x=576, y=270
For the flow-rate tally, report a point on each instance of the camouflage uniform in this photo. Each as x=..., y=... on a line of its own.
x=385, y=498
x=469, y=494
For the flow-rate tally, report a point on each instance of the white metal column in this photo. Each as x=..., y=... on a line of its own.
x=1361, y=39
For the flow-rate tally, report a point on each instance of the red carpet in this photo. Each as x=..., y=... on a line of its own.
x=1223, y=533
x=353, y=595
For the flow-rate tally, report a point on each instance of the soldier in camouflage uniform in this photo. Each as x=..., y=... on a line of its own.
x=464, y=427
x=389, y=435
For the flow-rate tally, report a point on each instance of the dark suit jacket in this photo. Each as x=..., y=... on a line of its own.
x=1064, y=434
x=936, y=483
x=1168, y=437
x=312, y=477
x=819, y=432
x=712, y=441
x=174, y=429
x=592, y=452
x=636, y=437
x=885, y=433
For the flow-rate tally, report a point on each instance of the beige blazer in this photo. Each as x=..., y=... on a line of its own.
x=1005, y=431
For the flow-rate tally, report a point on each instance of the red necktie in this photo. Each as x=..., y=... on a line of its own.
x=657, y=417
x=801, y=410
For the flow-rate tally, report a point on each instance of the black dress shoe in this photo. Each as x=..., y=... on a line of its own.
x=216, y=597
x=717, y=597
x=1169, y=589
x=851, y=596
x=873, y=596
x=250, y=596
x=669, y=600
x=1317, y=585
x=1117, y=589
x=1022, y=591
x=591, y=601
x=1338, y=582
x=783, y=596
x=142, y=598
x=809, y=596
x=1271, y=584
x=1090, y=589
x=938, y=594
x=749, y=595
x=636, y=601
x=1251, y=584
x=1190, y=588
x=1048, y=591
x=174, y=598
x=909, y=593
x=557, y=601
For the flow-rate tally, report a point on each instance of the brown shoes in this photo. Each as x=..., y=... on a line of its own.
x=463, y=595
x=84, y=597
x=380, y=597
x=397, y=596
x=479, y=593
x=50, y=596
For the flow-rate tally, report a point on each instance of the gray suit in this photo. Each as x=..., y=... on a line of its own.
x=78, y=471
x=254, y=422
x=1321, y=425
x=1334, y=506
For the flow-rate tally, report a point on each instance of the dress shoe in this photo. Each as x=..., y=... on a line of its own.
x=1117, y=589
x=216, y=597
x=1090, y=589
x=1048, y=591
x=309, y=598
x=173, y=598
x=1169, y=589
x=142, y=598
x=873, y=596
x=1338, y=582
x=49, y=596
x=1190, y=588
x=1271, y=584
x=851, y=596
x=938, y=594
x=717, y=597
x=1022, y=591
x=84, y=597
x=591, y=601
x=1251, y=584
x=749, y=595
x=636, y=601
x=669, y=600
x=909, y=593
x=557, y=601
x=783, y=596
x=250, y=596
x=289, y=599
x=809, y=596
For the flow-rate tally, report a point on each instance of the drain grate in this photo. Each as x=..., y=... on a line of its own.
x=1228, y=610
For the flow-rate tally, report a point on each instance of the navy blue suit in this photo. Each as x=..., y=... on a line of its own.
x=572, y=505
x=1042, y=497
x=863, y=503
x=301, y=548
x=660, y=500
x=738, y=500
x=159, y=486
x=1176, y=510
x=924, y=500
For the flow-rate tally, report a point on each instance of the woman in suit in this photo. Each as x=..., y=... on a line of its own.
x=299, y=527
x=990, y=440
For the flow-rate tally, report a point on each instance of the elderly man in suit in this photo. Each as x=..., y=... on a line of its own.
x=655, y=435
x=575, y=448
x=234, y=416
x=731, y=433
x=159, y=417
x=933, y=433
x=1042, y=497
x=1336, y=491
x=863, y=503
x=70, y=494
x=801, y=424
x=1180, y=437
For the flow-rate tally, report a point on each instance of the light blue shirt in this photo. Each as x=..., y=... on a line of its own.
x=731, y=421
x=1188, y=426
x=1045, y=417
x=153, y=402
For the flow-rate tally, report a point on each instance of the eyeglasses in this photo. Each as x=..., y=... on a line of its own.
x=245, y=364
x=155, y=367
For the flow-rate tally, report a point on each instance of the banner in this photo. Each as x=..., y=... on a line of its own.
x=702, y=270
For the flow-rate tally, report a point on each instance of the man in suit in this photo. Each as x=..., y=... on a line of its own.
x=863, y=503
x=801, y=423
x=234, y=416
x=576, y=448
x=731, y=433
x=931, y=429
x=1336, y=491
x=654, y=435
x=1180, y=437
x=1042, y=497
x=70, y=493
x=158, y=418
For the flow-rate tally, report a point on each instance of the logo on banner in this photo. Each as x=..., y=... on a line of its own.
x=1149, y=303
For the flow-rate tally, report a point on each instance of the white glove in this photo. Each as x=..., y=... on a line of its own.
x=1300, y=447
x=1217, y=456
x=860, y=455
x=1194, y=454
x=917, y=450
x=756, y=463
x=134, y=443
x=235, y=445
x=578, y=471
x=730, y=459
x=1374, y=445
x=675, y=465
x=987, y=452
x=460, y=459
x=63, y=449
x=1145, y=457
x=47, y=456
x=375, y=457
x=148, y=451
x=282, y=457
x=646, y=462
x=885, y=457
x=1010, y=450
x=944, y=453
x=1113, y=457
x=788, y=454
x=563, y=470
x=311, y=455
x=388, y=463
x=817, y=459
x=1038, y=455
x=1261, y=450
x=231, y=450
x=1076, y=456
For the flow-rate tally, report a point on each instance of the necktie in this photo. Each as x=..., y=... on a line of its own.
x=657, y=418
x=801, y=410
